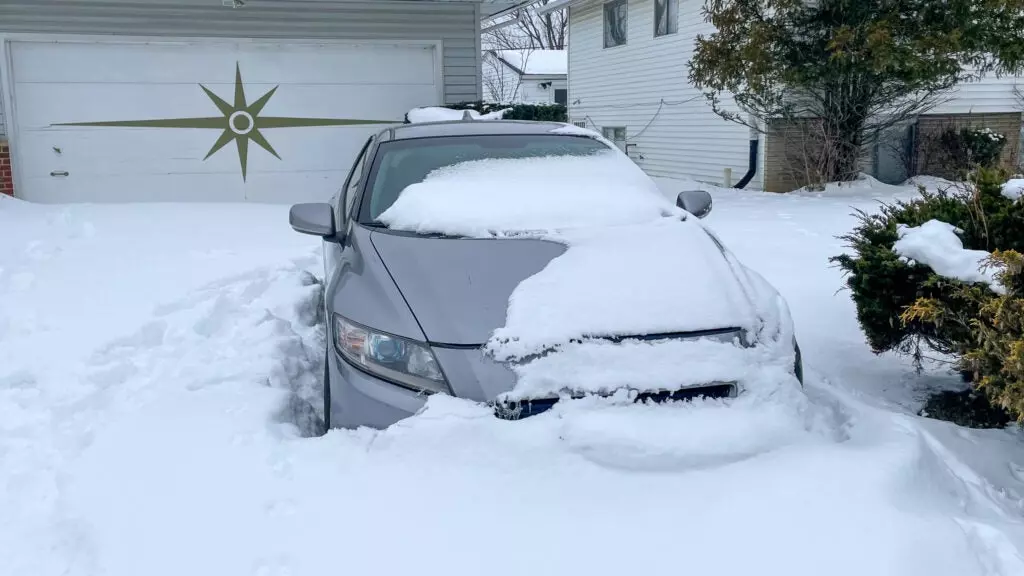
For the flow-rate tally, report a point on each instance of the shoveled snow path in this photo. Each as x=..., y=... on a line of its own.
x=144, y=429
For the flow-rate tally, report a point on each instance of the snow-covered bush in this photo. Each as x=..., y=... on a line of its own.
x=905, y=305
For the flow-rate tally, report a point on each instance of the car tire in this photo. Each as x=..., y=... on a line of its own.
x=327, y=392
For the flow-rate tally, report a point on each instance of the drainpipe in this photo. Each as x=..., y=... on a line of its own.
x=755, y=140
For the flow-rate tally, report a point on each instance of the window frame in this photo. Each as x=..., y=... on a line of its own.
x=358, y=167
x=612, y=139
x=566, y=91
x=607, y=9
x=669, y=20
x=360, y=213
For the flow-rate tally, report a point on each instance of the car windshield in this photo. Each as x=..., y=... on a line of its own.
x=405, y=162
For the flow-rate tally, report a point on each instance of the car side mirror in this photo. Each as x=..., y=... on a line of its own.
x=696, y=202
x=316, y=219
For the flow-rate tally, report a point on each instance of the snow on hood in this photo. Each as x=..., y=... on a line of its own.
x=936, y=245
x=438, y=114
x=636, y=264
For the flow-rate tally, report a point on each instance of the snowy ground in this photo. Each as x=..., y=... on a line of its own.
x=153, y=362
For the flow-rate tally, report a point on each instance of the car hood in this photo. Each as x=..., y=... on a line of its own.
x=459, y=288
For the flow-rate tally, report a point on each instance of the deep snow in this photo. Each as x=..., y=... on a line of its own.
x=147, y=355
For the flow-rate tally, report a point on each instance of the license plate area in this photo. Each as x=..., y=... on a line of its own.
x=517, y=410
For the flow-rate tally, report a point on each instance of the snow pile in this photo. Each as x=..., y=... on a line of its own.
x=1014, y=189
x=936, y=245
x=141, y=429
x=439, y=114
x=500, y=197
x=609, y=282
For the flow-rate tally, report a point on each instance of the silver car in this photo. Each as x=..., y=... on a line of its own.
x=408, y=314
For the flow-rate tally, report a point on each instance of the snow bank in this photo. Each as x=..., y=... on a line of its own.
x=1014, y=189
x=439, y=114
x=936, y=245
x=153, y=442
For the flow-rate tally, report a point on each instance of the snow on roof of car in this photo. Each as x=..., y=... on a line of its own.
x=636, y=263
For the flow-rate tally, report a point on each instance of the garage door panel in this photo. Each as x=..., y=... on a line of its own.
x=135, y=63
x=97, y=151
x=40, y=105
x=274, y=187
x=130, y=82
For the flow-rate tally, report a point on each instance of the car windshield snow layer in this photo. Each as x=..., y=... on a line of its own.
x=401, y=163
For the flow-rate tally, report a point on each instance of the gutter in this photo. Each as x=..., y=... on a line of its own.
x=752, y=164
x=755, y=141
x=553, y=6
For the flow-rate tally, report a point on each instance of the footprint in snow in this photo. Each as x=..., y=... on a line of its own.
x=1017, y=471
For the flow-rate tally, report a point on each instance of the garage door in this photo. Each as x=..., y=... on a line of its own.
x=205, y=121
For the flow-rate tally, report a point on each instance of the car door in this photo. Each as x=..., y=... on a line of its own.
x=343, y=203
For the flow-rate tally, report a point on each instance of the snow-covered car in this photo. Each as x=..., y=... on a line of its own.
x=440, y=259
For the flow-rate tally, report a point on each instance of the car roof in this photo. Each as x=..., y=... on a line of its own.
x=471, y=128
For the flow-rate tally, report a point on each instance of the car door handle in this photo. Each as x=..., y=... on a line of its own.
x=59, y=173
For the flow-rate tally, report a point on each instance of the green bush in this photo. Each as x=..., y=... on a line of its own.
x=970, y=408
x=904, y=306
x=536, y=112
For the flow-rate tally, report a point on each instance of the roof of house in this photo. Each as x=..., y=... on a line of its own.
x=535, y=62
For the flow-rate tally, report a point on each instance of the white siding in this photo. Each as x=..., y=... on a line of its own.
x=503, y=85
x=643, y=86
x=3, y=126
x=532, y=93
x=990, y=94
x=456, y=24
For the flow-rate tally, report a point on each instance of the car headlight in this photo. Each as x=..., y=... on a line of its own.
x=399, y=360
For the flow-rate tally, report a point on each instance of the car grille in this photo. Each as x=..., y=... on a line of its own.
x=525, y=408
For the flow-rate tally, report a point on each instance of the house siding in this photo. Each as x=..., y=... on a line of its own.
x=455, y=24
x=643, y=86
x=985, y=96
x=532, y=93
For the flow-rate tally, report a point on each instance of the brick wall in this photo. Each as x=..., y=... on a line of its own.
x=790, y=152
x=6, y=176
x=930, y=126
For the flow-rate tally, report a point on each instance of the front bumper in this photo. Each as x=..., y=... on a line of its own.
x=360, y=399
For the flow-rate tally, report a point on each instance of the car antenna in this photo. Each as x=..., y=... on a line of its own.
x=467, y=116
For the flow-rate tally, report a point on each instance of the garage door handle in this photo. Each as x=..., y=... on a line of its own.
x=58, y=173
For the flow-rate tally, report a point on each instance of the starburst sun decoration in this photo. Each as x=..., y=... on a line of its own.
x=239, y=121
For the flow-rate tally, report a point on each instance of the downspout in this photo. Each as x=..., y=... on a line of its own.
x=755, y=141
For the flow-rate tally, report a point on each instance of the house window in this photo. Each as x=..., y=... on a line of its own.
x=615, y=13
x=617, y=134
x=561, y=96
x=666, y=17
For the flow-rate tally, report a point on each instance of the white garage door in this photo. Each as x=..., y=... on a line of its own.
x=205, y=121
